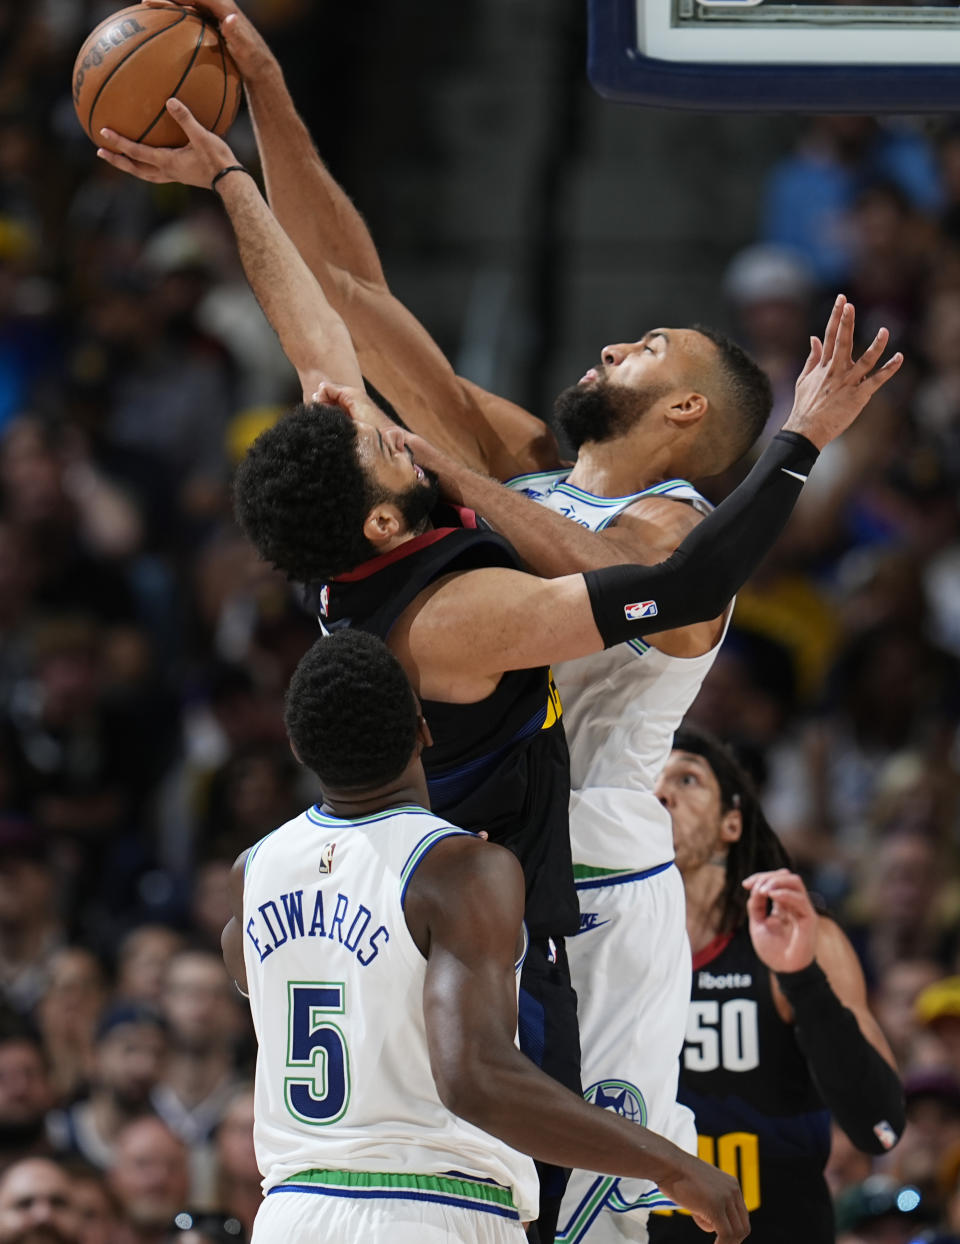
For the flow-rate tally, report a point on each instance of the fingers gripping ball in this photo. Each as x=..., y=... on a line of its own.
x=138, y=59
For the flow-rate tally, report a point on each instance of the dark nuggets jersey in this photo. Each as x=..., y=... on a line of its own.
x=759, y=1115
x=500, y=764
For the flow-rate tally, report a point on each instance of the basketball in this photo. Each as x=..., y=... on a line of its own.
x=139, y=58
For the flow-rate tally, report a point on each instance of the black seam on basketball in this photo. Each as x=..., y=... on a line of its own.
x=223, y=66
x=186, y=73
x=132, y=52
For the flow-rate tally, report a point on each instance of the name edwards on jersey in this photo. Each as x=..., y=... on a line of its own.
x=282, y=920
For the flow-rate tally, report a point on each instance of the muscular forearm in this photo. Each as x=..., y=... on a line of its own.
x=314, y=337
x=509, y=1097
x=858, y=1085
x=549, y=544
x=318, y=216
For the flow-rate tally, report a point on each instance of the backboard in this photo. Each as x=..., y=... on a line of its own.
x=764, y=55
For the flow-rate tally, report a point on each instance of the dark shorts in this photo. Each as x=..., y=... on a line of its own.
x=550, y=1037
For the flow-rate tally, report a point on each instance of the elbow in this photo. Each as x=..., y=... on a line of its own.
x=466, y=1092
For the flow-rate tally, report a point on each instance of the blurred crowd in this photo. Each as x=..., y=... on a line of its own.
x=144, y=651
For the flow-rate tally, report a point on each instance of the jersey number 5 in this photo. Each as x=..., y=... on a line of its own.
x=315, y=1047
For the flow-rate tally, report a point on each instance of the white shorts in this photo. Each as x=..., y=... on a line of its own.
x=631, y=969
x=294, y=1216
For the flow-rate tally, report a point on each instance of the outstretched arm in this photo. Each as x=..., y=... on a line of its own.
x=314, y=337
x=464, y=908
x=820, y=989
x=396, y=352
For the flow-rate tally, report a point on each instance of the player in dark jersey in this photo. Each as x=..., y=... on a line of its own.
x=341, y=504
x=779, y=1035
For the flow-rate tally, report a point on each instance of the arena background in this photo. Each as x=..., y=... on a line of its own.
x=144, y=651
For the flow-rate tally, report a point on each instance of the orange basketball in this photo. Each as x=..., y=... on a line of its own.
x=138, y=59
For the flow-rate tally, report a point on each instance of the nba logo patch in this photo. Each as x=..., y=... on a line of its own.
x=324, y=600
x=326, y=857
x=640, y=609
x=885, y=1134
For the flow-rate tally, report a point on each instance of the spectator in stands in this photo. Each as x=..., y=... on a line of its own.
x=30, y=926
x=26, y=1094
x=98, y=1210
x=68, y=1016
x=36, y=1204
x=238, y=1175
x=150, y=1175
x=130, y=1052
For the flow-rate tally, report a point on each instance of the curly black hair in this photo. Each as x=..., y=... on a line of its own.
x=746, y=396
x=301, y=496
x=351, y=713
x=758, y=848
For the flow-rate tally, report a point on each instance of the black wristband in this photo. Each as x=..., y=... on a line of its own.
x=231, y=168
x=698, y=581
x=856, y=1082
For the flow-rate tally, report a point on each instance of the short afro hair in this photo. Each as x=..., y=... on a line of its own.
x=745, y=397
x=301, y=496
x=350, y=713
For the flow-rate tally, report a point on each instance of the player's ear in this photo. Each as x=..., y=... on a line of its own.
x=296, y=754
x=687, y=409
x=731, y=827
x=424, y=737
x=383, y=524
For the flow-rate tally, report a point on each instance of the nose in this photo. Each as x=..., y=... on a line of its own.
x=394, y=438
x=40, y=1212
x=612, y=355
x=661, y=792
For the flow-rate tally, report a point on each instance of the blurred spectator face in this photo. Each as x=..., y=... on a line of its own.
x=198, y=1001
x=236, y=1157
x=69, y=674
x=14, y=574
x=129, y=1063
x=212, y=906
x=941, y=337
x=26, y=890
x=98, y=1214
x=150, y=1173
x=31, y=476
x=933, y=1127
x=893, y=1000
x=25, y=1092
x=36, y=1204
x=75, y=994
x=906, y=880
x=144, y=958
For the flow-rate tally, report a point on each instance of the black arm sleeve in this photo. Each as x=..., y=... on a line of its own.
x=857, y=1084
x=699, y=579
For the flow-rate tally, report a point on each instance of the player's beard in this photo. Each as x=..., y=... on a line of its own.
x=418, y=502
x=602, y=411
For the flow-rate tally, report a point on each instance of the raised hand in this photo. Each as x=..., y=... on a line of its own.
x=833, y=389
x=196, y=164
x=244, y=42
x=783, y=923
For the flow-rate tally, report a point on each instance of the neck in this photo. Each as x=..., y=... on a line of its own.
x=704, y=887
x=624, y=465
x=350, y=806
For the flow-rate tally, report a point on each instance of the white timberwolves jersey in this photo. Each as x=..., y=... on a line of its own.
x=336, y=981
x=620, y=708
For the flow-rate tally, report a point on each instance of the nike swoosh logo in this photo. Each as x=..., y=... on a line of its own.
x=795, y=474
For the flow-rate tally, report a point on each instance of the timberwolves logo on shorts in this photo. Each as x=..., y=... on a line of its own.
x=620, y=1097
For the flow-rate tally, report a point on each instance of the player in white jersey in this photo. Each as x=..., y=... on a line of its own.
x=630, y=962
x=378, y=946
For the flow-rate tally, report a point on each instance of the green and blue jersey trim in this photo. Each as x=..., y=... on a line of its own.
x=604, y=1193
x=586, y=877
x=422, y=849
x=461, y=1192
x=318, y=817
